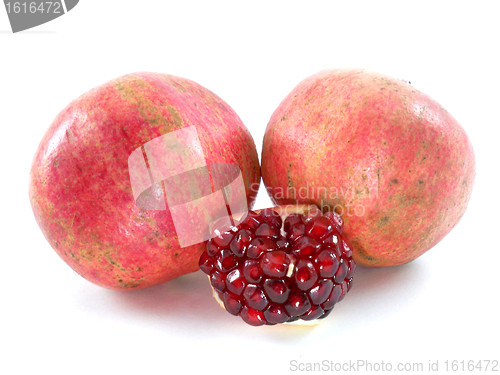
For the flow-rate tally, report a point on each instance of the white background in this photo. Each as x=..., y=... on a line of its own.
x=443, y=306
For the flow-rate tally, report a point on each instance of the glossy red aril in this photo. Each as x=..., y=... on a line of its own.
x=240, y=242
x=320, y=292
x=276, y=314
x=277, y=290
x=252, y=316
x=225, y=261
x=297, y=304
x=231, y=302
x=255, y=297
x=259, y=246
x=305, y=274
x=327, y=263
x=236, y=282
x=319, y=228
x=266, y=230
x=252, y=271
x=275, y=264
x=305, y=247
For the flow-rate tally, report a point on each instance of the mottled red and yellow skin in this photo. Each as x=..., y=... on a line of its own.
x=392, y=161
x=80, y=189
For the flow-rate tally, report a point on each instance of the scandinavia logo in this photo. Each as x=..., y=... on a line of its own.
x=27, y=14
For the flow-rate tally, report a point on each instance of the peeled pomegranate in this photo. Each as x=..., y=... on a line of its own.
x=89, y=179
x=388, y=158
x=279, y=265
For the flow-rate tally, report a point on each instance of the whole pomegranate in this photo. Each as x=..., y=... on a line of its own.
x=89, y=185
x=388, y=158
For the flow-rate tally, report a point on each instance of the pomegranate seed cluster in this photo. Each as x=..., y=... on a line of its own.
x=268, y=271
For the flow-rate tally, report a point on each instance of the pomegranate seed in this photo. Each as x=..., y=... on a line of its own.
x=352, y=268
x=231, y=303
x=325, y=313
x=336, y=220
x=319, y=228
x=212, y=249
x=297, y=304
x=252, y=317
x=276, y=314
x=240, y=242
x=333, y=298
x=291, y=220
x=255, y=297
x=311, y=216
x=252, y=271
x=344, y=287
x=225, y=261
x=276, y=290
x=331, y=240
x=346, y=249
x=349, y=284
x=341, y=272
x=272, y=217
x=259, y=246
x=275, y=264
x=313, y=313
x=251, y=221
x=320, y=292
x=266, y=230
x=305, y=274
x=218, y=280
x=223, y=239
x=296, y=232
x=235, y=282
x=305, y=247
x=327, y=263
x=206, y=263
x=283, y=244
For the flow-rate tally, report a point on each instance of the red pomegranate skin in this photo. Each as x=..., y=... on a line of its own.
x=393, y=162
x=80, y=188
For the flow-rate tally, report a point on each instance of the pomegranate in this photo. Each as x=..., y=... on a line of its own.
x=388, y=158
x=279, y=265
x=89, y=198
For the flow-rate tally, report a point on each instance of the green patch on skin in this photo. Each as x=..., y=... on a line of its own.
x=133, y=92
x=362, y=192
x=178, y=122
x=290, y=183
x=132, y=283
x=115, y=263
x=383, y=221
x=365, y=256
